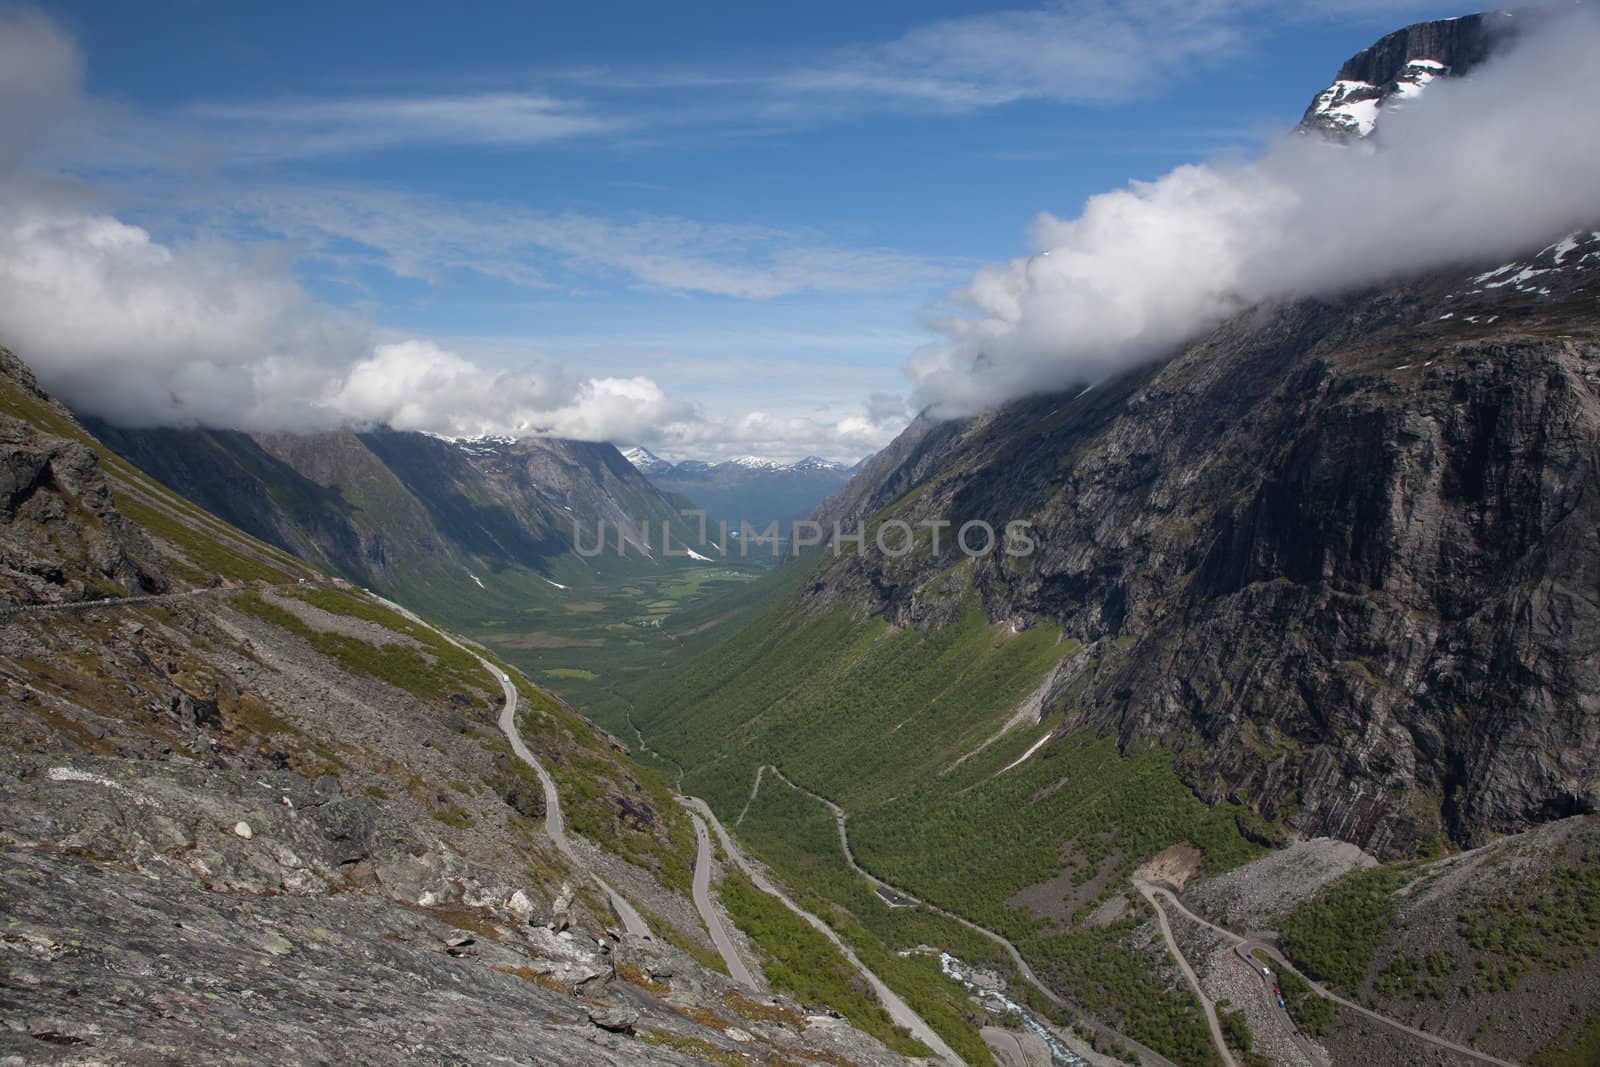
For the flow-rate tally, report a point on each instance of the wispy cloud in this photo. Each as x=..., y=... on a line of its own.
x=1087, y=51
x=423, y=237
x=1083, y=52
x=330, y=126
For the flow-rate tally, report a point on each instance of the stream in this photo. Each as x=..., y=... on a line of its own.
x=1060, y=1054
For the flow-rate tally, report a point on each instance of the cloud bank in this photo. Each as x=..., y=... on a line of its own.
x=1481, y=166
x=145, y=332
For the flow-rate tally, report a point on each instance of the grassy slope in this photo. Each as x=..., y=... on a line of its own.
x=870, y=716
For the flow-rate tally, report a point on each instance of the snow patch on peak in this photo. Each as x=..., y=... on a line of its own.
x=817, y=463
x=1353, y=107
x=1350, y=107
x=1419, y=73
x=482, y=445
x=646, y=461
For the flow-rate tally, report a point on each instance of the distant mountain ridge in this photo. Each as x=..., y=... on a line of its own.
x=651, y=464
x=446, y=523
x=747, y=489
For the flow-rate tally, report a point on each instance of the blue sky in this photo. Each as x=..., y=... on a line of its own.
x=756, y=208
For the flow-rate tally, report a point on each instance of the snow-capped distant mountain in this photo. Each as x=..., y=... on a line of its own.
x=651, y=464
x=756, y=463
x=817, y=463
x=647, y=461
x=752, y=489
x=1398, y=68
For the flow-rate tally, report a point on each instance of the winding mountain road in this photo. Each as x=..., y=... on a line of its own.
x=1223, y=1051
x=555, y=824
x=1243, y=946
x=1011, y=951
x=708, y=912
x=899, y=1011
x=121, y=601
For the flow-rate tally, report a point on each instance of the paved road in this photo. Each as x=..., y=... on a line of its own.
x=899, y=1011
x=555, y=824
x=844, y=839
x=1009, y=1049
x=1149, y=893
x=1243, y=947
x=1025, y=971
x=708, y=912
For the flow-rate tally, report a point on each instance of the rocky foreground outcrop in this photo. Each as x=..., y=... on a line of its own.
x=61, y=535
x=264, y=819
x=160, y=912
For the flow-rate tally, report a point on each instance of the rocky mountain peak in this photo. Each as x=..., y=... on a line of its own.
x=1399, y=67
x=17, y=372
x=646, y=461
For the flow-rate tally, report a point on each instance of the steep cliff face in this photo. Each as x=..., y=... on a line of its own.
x=1343, y=556
x=61, y=535
x=1400, y=66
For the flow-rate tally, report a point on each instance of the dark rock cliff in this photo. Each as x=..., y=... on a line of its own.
x=1343, y=556
x=1402, y=64
x=1460, y=44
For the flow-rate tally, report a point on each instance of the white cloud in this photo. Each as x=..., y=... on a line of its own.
x=144, y=331
x=416, y=385
x=141, y=332
x=774, y=435
x=1478, y=167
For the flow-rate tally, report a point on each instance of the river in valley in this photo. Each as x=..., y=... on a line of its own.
x=985, y=991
